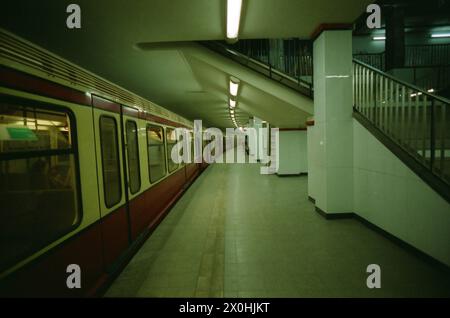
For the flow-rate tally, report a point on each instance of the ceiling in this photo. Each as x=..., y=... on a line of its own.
x=417, y=16
x=183, y=77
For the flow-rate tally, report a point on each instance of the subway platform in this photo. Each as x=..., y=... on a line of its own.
x=236, y=233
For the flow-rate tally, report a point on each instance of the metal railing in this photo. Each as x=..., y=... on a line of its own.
x=300, y=84
x=417, y=121
x=373, y=59
x=427, y=55
x=431, y=55
x=290, y=56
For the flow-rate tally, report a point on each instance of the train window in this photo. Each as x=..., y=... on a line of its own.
x=133, y=156
x=171, y=142
x=156, y=152
x=39, y=195
x=112, y=187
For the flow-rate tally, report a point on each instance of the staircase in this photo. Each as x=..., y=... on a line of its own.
x=413, y=123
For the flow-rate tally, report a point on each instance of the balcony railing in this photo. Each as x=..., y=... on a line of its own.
x=417, y=121
x=435, y=55
x=427, y=55
x=292, y=56
x=259, y=55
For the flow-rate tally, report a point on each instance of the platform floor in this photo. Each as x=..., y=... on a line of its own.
x=236, y=233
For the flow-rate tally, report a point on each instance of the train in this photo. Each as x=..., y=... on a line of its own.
x=85, y=173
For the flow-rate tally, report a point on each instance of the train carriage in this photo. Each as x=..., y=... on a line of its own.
x=77, y=199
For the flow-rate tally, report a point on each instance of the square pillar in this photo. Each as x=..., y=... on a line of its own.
x=333, y=123
x=395, y=38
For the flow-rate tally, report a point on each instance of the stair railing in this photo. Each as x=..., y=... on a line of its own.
x=264, y=64
x=416, y=120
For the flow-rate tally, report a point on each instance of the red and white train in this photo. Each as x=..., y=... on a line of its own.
x=85, y=173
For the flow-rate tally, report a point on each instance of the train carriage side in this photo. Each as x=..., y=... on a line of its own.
x=49, y=199
x=117, y=186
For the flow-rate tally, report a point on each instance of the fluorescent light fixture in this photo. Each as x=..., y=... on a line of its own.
x=431, y=90
x=233, y=88
x=379, y=38
x=233, y=18
x=232, y=103
x=337, y=76
x=440, y=35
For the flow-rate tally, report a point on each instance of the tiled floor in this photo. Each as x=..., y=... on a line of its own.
x=236, y=233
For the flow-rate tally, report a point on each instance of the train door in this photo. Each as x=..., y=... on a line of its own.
x=108, y=142
x=136, y=170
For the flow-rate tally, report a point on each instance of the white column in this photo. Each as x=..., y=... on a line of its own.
x=333, y=133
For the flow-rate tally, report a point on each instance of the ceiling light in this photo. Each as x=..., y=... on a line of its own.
x=233, y=88
x=431, y=90
x=379, y=38
x=232, y=103
x=440, y=35
x=233, y=18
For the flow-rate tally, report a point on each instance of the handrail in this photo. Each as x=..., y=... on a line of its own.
x=416, y=56
x=260, y=63
x=417, y=121
x=411, y=86
x=299, y=85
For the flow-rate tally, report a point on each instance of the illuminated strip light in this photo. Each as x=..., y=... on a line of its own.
x=379, y=38
x=232, y=103
x=233, y=18
x=337, y=76
x=233, y=88
x=440, y=35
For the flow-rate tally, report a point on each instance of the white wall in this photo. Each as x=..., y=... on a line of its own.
x=312, y=162
x=292, y=154
x=388, y=194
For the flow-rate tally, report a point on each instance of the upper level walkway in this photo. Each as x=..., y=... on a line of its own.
x=236, y=233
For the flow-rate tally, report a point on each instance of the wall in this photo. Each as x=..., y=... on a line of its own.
x=388, y=194
x=312, y=162
x=292, y=155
